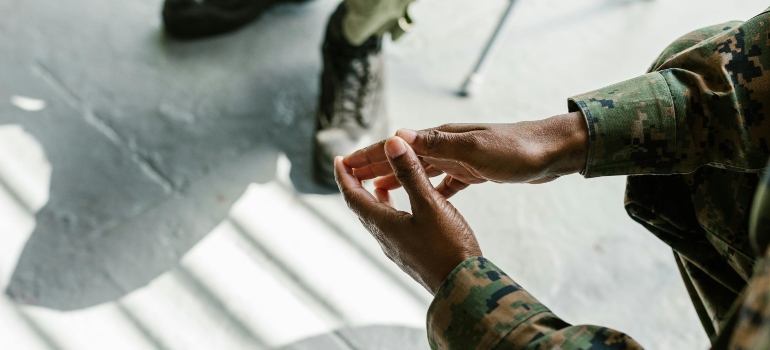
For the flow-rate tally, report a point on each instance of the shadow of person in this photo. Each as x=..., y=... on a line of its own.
x=151, y=140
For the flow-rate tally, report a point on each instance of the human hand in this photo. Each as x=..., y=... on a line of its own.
x=530, y=152
x=426, y=244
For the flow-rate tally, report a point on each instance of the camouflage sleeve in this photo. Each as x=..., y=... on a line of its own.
x=707, y=105
x=480, y=307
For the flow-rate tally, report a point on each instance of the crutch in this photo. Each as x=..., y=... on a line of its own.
x=476, y=77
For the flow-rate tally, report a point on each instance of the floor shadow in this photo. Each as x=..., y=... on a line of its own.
x=151, y=140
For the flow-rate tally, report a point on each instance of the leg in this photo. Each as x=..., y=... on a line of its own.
x=351, y=111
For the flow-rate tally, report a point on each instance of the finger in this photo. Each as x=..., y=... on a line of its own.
x=390, y=182
x=411, y=174
x=374, y=154
x=450, y=186
x=441, y=144
x=384, y=169
x=372, y=171
x=359, y=200
x=432, y=171
x=383, y=197
x=367, y=156
x=456, y=169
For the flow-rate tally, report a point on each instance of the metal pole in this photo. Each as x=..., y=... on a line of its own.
x=475, y=79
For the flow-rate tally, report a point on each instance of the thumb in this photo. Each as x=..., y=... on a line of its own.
x=436, y=143
x=410, y=173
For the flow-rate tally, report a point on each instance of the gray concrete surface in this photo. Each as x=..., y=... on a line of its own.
x=366, y=338
x=148, y=136
x=136, y=146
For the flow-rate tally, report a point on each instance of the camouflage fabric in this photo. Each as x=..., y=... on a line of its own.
x=697, y=115
x=749, y=324
x=480, y=307
x=698, y=120
x=375, y=17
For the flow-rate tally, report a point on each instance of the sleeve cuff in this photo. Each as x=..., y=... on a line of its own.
x=631, y=127
x=477, y=306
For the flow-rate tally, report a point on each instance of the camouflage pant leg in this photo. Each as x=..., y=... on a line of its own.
x=375, y=17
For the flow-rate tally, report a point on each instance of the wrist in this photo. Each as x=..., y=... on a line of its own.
x=468, y=261
x=567, y=151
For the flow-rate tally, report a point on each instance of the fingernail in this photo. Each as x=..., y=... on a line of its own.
x=408, y=135
x=395, y=147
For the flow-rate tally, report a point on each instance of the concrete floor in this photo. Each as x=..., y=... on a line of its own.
x=121, y=150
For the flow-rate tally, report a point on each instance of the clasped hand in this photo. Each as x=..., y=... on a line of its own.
x=434, y=238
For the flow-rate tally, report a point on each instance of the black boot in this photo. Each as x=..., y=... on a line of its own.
x=351, y=111
x=192, y=19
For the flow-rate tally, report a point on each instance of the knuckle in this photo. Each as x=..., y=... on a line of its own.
x=371, y=150
x=408, y=171
x=434, y=139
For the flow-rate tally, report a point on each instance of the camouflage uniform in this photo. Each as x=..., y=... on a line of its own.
x=699, y=120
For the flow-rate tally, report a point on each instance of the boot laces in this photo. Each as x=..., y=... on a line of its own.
x=357, y=85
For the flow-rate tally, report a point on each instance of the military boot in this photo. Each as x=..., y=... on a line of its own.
x=351, y=111
x=192, y=19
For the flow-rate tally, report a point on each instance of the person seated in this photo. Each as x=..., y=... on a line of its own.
x=693, y=134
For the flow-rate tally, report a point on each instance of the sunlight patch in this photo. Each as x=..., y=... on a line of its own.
x=27, y=103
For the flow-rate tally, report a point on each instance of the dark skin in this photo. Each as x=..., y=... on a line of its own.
x=431, y=241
